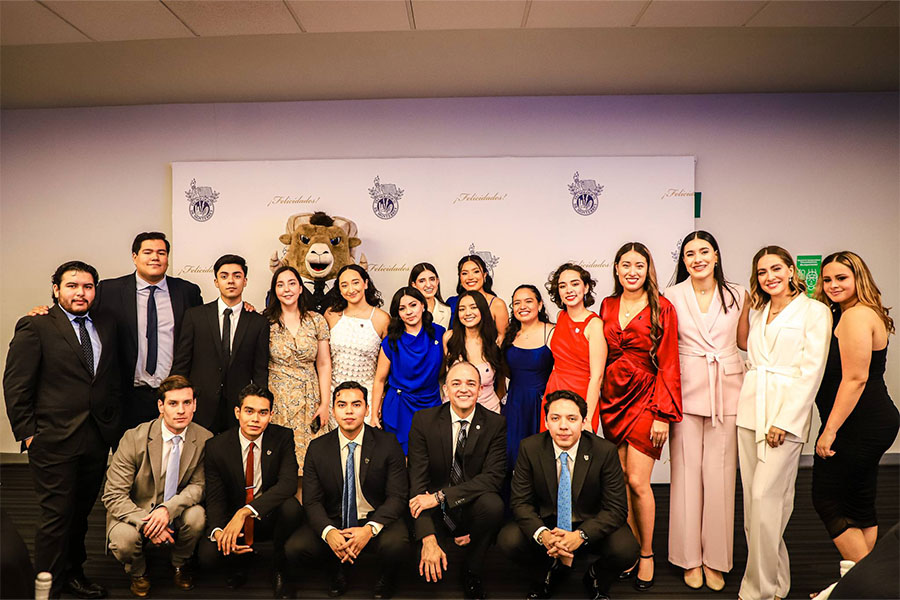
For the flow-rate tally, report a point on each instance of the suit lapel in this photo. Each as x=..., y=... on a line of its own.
x=240, y=333
x=107, y=343
x=212, y=317
x=474, y=433
x=548, y=465
x=129, y=303
x=265, y=462
x=365, y=454
x=690, y=298
x=176, y=297
x=68, y=332
x=582, y=459
x=445, y=433
x=187, y=452
x=237, y=458
x=154, y=447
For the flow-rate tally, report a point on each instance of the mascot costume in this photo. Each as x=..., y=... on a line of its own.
x=318, y=246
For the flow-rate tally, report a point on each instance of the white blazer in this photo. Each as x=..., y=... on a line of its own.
x=441, y=314
x=786, y=360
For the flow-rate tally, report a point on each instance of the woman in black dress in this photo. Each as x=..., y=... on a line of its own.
x=859, y=419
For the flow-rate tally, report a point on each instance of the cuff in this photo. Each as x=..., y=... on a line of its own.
x=376, y=527
x=252, y=510
x=538, y=533
x=212, y=534
x=326, y=530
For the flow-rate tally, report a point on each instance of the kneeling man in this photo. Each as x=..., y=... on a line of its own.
x=568, y=497
x=354, y=492
x=154, y=485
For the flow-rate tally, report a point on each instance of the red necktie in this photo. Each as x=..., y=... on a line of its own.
x=248, y=522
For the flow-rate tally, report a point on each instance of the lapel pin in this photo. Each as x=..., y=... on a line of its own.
x=268, y=453
x=586, y=457
x=367, y=460
x=478, y=427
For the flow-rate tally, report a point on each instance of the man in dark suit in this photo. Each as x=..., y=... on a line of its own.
x=355, y=491
x=251, y=478
x=457, y=462
x=62, y=397
x=568, y=497
x=223, y=347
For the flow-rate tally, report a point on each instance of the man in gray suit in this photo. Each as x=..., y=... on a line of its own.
x=154, y=486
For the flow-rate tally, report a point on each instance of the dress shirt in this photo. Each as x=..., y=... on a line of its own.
x=167, y=446
x=363, y=508
x=455, y=421
x=235, y=316
x=257, y=470
x=92, y=333
x=310, y=284
x=571, y=466
x=165, y=332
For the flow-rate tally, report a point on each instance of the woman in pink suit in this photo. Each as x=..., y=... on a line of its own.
x=713, y=321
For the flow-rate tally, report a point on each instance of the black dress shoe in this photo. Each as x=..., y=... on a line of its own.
x=592, y=586
x=472, y=588
x=281, y=587
x=642, y=585
x=626, y=575
x=338, y=584
x=384, y=588
x=235, y=580
x=82, y=587
x=552, y=578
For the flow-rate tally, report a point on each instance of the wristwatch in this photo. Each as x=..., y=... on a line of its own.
x=373, y=528
x=583, y=535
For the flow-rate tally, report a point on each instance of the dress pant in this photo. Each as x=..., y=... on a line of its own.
x=127, y=543
x=67, y=486
x=481, y=520
x=768, y=504
x=615, y=553
x=701, y=511
x=139, y=406
x=277, y=526
x=16, y=572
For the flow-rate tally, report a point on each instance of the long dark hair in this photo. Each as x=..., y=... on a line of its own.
x=487, y=331
x=397, y=327
x=421, y=268
x=488, y=286
x=652, y=289
x=273, y=310
x=373, y=296
x=867, y=293
x=681, y=272
x=514, y=324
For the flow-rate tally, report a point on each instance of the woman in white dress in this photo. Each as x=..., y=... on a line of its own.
x=424, y=277
x=357, y=327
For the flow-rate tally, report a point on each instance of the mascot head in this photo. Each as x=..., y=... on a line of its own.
x=318, y=245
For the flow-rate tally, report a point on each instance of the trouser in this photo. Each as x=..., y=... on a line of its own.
x=701, y=512
x=67, y=486
x=615, y=553
x=139, y=406
x=127, y=543
x=768, y=503
x=481, y=520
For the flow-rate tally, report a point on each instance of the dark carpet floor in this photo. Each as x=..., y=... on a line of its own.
x=814, y=560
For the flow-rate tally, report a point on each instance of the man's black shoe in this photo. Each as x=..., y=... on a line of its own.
x=592, y=586
x=546, y=586
x=235, y=580
x=281, y=587
x=338, y=585
x=82, y=587
x=384, y=589
x=472, y=588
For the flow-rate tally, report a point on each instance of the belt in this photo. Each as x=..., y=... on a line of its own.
x=762, y=373
x=715, y=372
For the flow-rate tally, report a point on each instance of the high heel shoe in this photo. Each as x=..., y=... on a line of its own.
x=643, y=585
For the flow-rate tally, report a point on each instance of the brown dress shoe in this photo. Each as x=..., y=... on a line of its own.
x=183, y=580
x=140, y=586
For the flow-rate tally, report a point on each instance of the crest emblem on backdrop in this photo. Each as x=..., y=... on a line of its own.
x=490, y=260
x=385, y=199
x=202, y=201
x=585, y=195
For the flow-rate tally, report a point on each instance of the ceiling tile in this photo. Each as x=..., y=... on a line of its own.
x=234, y=17
x=30, y=23
x=351, y=15
x=116, y=20
x=702, y=13
x=886, y=15
x=546, y=14
x=818, y=13
x=468, y=14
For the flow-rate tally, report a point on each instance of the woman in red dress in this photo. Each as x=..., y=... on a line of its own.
x=577, y=343
x=641, y=391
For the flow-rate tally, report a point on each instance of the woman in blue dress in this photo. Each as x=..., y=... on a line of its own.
x=529, y=362
x=409, y=363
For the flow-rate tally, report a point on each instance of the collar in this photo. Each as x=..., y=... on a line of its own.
x=455, y=418
x=245, y=442
x=73, y=317
x=168, y=435
x=571, y=451
x=163, y=284
x=235, y=310
x=310, y=283
x=344, y=440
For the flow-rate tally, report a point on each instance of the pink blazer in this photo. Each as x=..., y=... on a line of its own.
x=711, y=368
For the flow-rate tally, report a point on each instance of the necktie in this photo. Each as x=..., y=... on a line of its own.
x=172, y=469
x=456, y=471
x=564, y=494
x=152, y=331
x=248, y=487
x=87, y=350
x=226, y=335
x=349, y=516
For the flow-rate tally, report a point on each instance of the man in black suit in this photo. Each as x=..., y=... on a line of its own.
x=457, y=462
x=355, y=492
x=223, y=347
x=62, y=397
x=568, y=496
x=251, y=478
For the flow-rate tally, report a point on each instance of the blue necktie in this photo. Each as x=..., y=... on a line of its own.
x=564, y=494
x=172, y=469
x=349, y=517
x=87, y=349
x=152, y=332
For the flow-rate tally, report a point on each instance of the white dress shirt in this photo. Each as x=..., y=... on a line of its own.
x=96, y=346
x=455, y=421
x=363, y=507
x=235, y=317
x=165, y=332
x=570, y=466
x=257, y=470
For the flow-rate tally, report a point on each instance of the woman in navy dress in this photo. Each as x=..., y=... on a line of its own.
x=406, y=377
x=528, y=362
x=474, y=277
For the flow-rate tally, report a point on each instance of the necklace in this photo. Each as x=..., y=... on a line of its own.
x=640, y=304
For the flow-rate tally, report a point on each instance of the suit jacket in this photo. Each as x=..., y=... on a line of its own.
x=598, y=486
x=50, y=393
x=431, y=454
x=198, y=356
x=225, y=475
x=118, y=298
x=134, y=480
x=382, y=478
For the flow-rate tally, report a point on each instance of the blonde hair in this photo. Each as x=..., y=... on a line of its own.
x=867, y=293
x=758, y=296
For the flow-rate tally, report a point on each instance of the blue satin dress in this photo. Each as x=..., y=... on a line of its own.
x=529, y=370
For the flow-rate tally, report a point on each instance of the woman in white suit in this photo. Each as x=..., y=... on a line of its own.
x=713, y=322
x=787, y=347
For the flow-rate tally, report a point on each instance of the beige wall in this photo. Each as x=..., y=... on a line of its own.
x=814, y=173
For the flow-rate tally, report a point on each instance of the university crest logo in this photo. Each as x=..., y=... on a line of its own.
x=203, y=201
x=385, y=199
x=585, y=195
x=490, y=260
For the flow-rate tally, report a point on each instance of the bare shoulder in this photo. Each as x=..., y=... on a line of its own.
x=332, y=317
x=860, y=316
